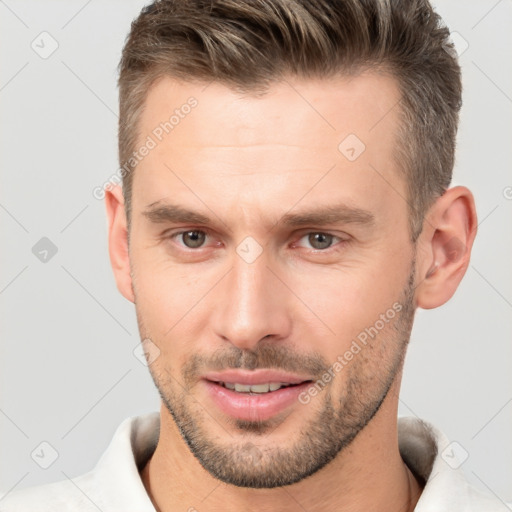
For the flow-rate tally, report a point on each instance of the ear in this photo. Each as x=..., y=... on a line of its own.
x=118, y=241
x=445, y=247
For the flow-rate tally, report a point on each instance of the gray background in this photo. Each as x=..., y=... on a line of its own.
x=67, y=369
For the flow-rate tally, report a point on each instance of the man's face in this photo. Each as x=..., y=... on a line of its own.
x=264, y=252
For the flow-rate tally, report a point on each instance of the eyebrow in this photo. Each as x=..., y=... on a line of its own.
x=337, y=214
x=159, y=213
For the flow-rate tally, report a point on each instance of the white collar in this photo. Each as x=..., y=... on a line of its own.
x=422, y=447
x=115, y=485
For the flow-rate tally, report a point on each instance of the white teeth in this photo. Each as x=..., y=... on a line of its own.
x=242, y=388
x=260, y=388
x=255, y=388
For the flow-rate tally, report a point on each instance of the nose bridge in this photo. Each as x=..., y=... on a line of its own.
x=252, y=306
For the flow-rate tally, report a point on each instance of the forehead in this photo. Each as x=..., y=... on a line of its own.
x=256, y=149
x=343, y=104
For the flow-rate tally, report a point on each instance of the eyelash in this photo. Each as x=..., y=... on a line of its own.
x=337, y=240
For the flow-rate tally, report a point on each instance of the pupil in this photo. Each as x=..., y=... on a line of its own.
x=193, y=238
x=320, y=240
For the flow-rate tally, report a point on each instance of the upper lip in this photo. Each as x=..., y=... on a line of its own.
x=254, y=377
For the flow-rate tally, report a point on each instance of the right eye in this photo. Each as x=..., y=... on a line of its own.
x=192, y=239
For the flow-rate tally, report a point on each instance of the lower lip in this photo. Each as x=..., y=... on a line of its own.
x=254, y=407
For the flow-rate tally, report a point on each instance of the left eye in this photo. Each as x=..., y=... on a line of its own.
x=319, y=241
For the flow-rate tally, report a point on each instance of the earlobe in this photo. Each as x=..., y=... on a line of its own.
x=450, y=229
x=118, y=241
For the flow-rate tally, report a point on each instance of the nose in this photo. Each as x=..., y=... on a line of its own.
x=251, y=305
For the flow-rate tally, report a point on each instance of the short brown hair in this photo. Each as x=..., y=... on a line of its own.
x=249, y=44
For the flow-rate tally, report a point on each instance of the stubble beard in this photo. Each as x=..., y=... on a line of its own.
x=248, y=458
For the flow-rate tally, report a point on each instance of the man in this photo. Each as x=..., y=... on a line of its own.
x=285, y=209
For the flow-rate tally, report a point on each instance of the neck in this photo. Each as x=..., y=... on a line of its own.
x=368, y=474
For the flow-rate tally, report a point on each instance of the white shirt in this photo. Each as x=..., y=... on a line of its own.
x=114, y=485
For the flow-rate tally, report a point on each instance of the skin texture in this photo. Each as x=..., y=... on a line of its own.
x=244, y=165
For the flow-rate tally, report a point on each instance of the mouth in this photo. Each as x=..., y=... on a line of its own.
x=255, y=389
x=254, y=395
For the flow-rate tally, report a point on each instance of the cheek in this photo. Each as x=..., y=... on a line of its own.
x=169, y=298
x=165, y=310
x=348, y=302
